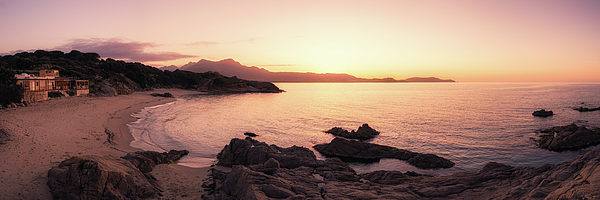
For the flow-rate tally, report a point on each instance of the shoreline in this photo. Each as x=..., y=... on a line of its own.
x=45, y=133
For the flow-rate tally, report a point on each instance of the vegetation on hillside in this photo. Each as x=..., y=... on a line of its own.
x=124, y=77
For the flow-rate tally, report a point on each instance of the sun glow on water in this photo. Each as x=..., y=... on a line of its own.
x=470, y=124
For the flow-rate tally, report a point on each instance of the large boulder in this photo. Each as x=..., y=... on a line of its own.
x=357, y=151
x=364, y=132
x=109, y=177
x=569, y=137
x=249, y=151
x=94, y=177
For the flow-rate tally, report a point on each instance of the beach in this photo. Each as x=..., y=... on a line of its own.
x=45, y=133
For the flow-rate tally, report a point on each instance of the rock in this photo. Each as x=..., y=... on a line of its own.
x=276, y=192
x=570, y=137
x=252, y=152
x=250, y=134
x=166, y=94
x=582, y=109
x=356, y=151
x=578, y=178
x=108, y=90
x=385, y=177
x=272, y=163
x=94, y=177
x=364, y=132
x=542, y=113
x=146, y=160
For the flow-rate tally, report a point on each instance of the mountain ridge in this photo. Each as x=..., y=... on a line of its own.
x=230, y=67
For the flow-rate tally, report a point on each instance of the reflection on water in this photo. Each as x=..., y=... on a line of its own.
x=470, y=124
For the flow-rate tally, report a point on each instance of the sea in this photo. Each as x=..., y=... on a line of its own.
x=470, y=124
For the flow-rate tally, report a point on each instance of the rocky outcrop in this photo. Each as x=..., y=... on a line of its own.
x=542, y=113
x=578, y=178
x=234, y=85
x=570, y=137
x=109, y=177
x=364, y=132
x=252, y=152
x=356, y=151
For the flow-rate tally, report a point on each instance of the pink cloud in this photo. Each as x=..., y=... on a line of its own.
x=119, y=49
x=202, y=43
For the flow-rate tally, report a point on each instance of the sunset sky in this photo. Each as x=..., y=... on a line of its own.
x=464, y=40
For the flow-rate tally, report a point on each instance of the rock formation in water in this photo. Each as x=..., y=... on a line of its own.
x=252, y=152
x=582, y=109
x=578, y=178
x=109, y=177
x=542, y=113
x=364, y=132
x=250, y=134
x=569, y=137
x=356, y=151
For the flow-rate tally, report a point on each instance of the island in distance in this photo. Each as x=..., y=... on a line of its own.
x=230, y=67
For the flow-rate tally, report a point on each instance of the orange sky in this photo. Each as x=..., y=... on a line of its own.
x=510, y=40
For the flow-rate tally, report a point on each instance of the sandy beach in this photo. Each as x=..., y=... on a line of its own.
x=44, y=134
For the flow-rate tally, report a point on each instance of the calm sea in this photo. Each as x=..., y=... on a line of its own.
x=469, y=123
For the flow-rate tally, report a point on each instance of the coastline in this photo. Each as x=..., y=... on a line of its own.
x=45, y=133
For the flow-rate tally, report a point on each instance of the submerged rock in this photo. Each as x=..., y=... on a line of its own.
x=109, y=177
x=364, y=132
x=582, y=109
x=569, y=137
x=542, y=113
x=356, y=151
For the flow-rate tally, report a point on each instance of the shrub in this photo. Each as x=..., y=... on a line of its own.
x=55, y=94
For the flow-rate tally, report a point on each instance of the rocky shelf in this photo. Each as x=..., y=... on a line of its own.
x=357, y=151
x=262, y=171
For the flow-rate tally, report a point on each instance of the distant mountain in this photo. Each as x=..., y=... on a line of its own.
x=230, y=67
x=428, y=79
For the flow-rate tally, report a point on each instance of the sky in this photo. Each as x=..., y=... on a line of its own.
x=464, y=40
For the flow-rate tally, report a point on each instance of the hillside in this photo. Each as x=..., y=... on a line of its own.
x=230, y=67
x=122, y=77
